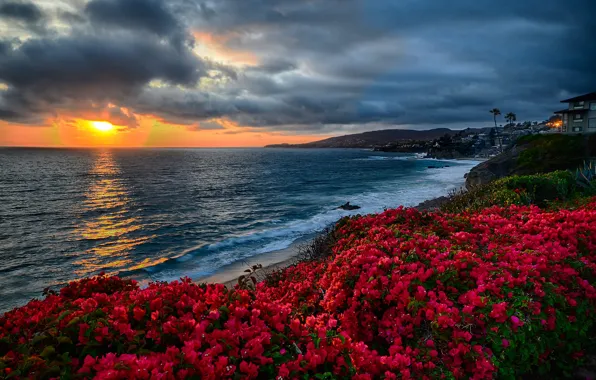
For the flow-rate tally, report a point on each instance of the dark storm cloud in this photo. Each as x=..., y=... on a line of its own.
x=5, y=47
x=410, y=62
x=23, y=11
x=43, y=74
x=149, y=15
x=326, y=65
x=274, y=66
x=71, y=18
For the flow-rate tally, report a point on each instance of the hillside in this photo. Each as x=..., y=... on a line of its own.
x=371, y=139
x=535, y=154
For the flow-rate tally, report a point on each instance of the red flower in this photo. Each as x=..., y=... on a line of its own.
x=250, y=369
x=499, y=312
x=403, y=293
x=138, y=313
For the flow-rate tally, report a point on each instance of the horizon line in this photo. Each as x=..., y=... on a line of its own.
x=127, y=147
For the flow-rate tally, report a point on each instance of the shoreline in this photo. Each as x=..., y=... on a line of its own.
x=271, y=261
x=286, y=257
x=283, y=258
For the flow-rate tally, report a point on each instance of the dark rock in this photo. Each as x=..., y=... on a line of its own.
x=495, y=168
x=432, y=204
x=348, y=206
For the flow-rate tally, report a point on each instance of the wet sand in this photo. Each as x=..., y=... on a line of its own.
x=276, y=260
x=271, y=261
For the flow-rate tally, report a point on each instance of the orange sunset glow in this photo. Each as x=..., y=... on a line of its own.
x=151, y=132
x=214, y=47
x=110, y=125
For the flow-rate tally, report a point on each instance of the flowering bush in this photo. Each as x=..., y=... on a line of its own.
x=498, y=292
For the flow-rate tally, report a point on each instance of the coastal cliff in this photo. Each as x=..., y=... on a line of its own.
x=535, y=154
x=497, y=167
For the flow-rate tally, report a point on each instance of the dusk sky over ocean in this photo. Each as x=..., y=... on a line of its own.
x=251, y=72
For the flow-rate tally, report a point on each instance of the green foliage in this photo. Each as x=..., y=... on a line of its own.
x=537, y=189
x=585, y=177
x=249, y=280
x=545, y=153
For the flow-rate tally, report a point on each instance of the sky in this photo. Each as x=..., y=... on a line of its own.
x=253, y=72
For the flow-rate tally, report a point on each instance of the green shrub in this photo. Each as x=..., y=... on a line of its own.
x=541, y=188
x=545, y=153
x=585, y=177
x=538, y=189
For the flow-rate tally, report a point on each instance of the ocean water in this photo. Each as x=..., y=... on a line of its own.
x=161, y=214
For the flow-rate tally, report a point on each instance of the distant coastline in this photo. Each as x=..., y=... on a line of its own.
x=371, y=139
x=439, y=143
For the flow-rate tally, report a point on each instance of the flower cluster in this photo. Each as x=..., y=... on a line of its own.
x=497, y=292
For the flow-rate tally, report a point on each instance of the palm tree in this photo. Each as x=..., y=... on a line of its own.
x=511, y=117
x=496, y=112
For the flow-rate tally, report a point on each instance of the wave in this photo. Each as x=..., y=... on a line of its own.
x=386, y=158
x=205, y=259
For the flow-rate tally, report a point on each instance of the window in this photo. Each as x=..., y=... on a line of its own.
x=578, y=117
x=593, y=106
x=592, y=124
x=576, y=129
x=578, y=104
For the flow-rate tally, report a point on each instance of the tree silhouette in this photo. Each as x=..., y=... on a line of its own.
x=496, y=112
x=492, y=136
x=510, y=117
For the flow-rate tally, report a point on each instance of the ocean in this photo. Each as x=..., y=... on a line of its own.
x=160, y=214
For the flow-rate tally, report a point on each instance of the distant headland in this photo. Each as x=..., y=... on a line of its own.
x=440, y=143
x=371, y=139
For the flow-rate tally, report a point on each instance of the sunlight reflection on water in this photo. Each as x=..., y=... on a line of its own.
x=110, y=220
x=72, y=213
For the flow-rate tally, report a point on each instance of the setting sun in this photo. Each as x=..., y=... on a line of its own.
x=102, y=126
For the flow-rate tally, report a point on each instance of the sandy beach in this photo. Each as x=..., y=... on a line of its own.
x=276, y=260
x=279, y=259
x=271, y=261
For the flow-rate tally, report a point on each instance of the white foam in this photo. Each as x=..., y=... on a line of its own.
x=386, y=158
x=432, y=183
x=277, y=245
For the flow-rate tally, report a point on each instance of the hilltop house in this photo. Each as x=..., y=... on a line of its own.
x=580, y=115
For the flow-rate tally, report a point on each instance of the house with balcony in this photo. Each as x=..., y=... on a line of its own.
x=580, y=114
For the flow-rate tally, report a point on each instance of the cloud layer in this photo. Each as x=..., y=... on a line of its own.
x=320, y=66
